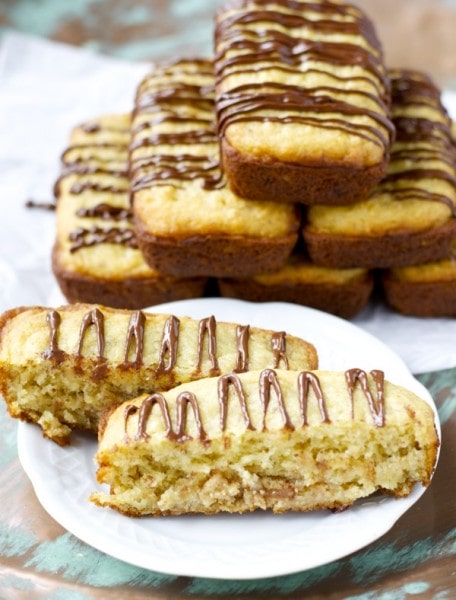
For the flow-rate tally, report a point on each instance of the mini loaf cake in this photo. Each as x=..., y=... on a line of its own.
x=410, y=218
x=188, y=221
x=62, y=368
x=271, y=439
x=425, y=290
x=302, y=101
x=342, y=292
x=96, y=256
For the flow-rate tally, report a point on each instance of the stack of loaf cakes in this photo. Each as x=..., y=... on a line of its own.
x=292, y=166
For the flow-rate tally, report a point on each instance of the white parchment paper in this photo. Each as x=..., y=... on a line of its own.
x=47, y=88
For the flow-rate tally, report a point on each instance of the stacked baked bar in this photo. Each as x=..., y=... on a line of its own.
x=290, y=167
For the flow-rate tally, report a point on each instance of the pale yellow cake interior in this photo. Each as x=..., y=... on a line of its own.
x=314, y=465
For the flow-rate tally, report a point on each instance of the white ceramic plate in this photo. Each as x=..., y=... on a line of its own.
x=224, y=546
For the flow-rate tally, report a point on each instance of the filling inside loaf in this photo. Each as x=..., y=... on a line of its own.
x=327, y=466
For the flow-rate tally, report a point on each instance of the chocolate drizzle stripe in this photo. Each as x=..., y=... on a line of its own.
x=183, y=400
x=415, y=193
x=242, y=343
x=169, y=345
x=144, y=412
x=107, y=212
x=268, y=384
x=207, y=329
x=308, y=379
x=93, y=318
x=43, y=205
x=81, y=187
x=279, y=353
x=87, y=237
x=53, y=319
x=223, y=387
x=135, y=333
x=269, y=381
x=381, y=92
x=376, y=407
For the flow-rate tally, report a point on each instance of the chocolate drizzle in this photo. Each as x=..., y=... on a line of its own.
x=53, y=319
x=184, y=399
x=107, y=212
x=43, y=205
x=144, y=413
x=84, y=238
x=424, y=148
x=93, y=318
x=306, y=379
x=133, y=355
x=268, y=383
x=268, y=380
x=207, y=328
x=223, y=387
x=80, y=187
x=242, y=342
x=167, y=98
x=278, y=343
x=377, y=408
x=169, y=344
x=135, y=333
x=248, y=41
x=96, y=162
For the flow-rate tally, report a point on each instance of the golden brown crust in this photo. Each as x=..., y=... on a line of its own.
x=420, y=298
x=305, y=184
x=128, y=293
x=214, y=255
x=8, y=316
x=344, y=300
x=395, y=249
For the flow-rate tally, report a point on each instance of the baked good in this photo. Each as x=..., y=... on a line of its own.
x=302, y=101
x=424, y=290
x=410, y=217
x=342, y=292
x=62, y=368
x=271, y=439
x=188, y=221
x=96, y=256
